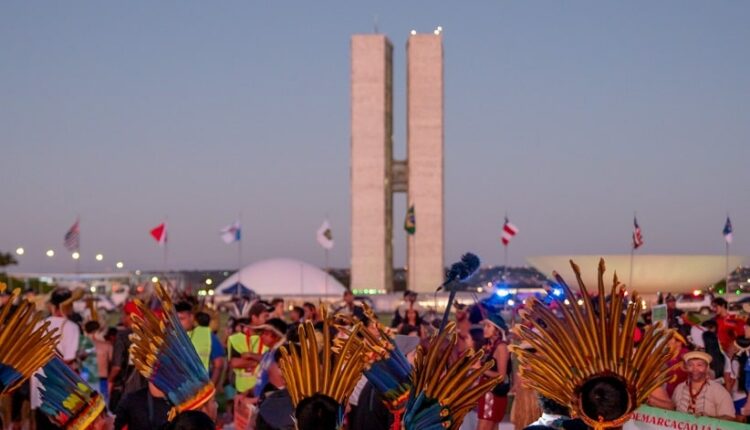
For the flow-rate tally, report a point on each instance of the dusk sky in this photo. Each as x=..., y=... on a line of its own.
x=569, y=116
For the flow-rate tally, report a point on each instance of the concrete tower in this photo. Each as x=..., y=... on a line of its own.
x=375, y=176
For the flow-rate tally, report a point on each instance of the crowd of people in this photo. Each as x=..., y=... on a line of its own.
x=708, y=363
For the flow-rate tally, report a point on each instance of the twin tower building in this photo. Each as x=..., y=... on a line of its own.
x=376, y=176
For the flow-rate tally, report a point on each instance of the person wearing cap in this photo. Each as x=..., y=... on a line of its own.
x=678, y=349
x=245, y=350
x=491, y=407
x=268, y=374
x=59, y=306
x=699, y=395
x=123, y=377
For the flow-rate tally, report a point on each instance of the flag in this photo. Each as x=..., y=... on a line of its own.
x=637, y=236
x=728, y=230
x=410, y=222
x=73, y=238
x=159, y=233
x=325, y=237
x=509, y=230
x=231, y=233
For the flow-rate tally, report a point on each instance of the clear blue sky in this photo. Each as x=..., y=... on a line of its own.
x=567, y=115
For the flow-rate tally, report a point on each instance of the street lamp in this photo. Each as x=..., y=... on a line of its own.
x=154, y=279
x=76, y=255
x=99, y=257
x=20, y=251
x=120, y=265
x=50, y=253
x=209, y=281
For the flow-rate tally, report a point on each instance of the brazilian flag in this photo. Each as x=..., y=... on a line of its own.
x=410, y=222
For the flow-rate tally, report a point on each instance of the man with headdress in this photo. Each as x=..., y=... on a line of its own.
x=587, y=360
x=699, y=395
x=60, y=307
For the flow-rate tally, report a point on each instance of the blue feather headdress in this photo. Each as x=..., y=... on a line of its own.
x=26, y=344
x=66, y=399
x=442, y=393
x=163, y=353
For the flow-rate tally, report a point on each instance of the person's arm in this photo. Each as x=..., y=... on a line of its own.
x=217, y=359
x=501, y=359
x=659, y=398
x=724, y=404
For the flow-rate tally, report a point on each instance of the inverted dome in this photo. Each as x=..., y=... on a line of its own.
x=651, y=273
x=284, y=277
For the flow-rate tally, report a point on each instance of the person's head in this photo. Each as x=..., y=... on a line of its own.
x=296, y=314
x=710, y=325
x=57, y=300
x=273, y=331
x=697, y=365
x=410, y=297
x=719, y=306
x=278, y=306
x=203, y=319
x=551, y=407
x=671, y=301
x=604, y=398
x=91, y=327
x=494, y=325
x=310, y=312
x=185, y=314
x=111, y=335
x=127, y=313
x=258, y=313
x=240, y=324
x=191, y=420
x=29, y=295
x=348, y=297
x=317, y=412
x=677, y=342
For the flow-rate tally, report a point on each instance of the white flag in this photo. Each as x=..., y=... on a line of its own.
x=231, y=233
x=325, y=237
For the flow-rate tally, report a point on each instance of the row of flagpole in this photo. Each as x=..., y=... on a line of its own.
x=233, y=233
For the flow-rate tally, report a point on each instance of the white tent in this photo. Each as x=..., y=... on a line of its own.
x=284, y=277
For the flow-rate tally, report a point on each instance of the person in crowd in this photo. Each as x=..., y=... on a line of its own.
x=743, y=376
x=411, y=324
x=245, y=353
x=678, y=348
x=491, y=407
x=674, y=315
x=278, y=309
x=733, y=371
x=712, y=348
x=311, y=313
x=191, y=420
x=699, y=395
x=268, y=373
x=123, y=378
x=205, y=342
x=276, y=412
x=348, y=305
x=410, y=302
x=103, y=352
x=317, y=412
x=554, y=416
x=728, y=327
x=296, y=315
x=60, y=307
x=144, y=409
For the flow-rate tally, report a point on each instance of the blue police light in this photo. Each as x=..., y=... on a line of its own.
x=502, y=292
x=557, y=292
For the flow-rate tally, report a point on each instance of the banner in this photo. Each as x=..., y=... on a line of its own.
x=648, y=418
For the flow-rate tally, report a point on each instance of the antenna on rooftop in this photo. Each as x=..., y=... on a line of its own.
x=375, y=24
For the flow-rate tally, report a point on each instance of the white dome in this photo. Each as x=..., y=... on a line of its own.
x=284, y=277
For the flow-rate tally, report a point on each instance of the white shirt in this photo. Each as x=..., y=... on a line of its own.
x=713, y=400
x=732, y=367
x=67, y=348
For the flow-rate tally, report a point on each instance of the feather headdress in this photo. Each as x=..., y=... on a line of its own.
x=386, y=367
x=163, y=353
x=66, y=399
x=328, y=369
x=592, y=344
x=442, y=393
x=26, y=344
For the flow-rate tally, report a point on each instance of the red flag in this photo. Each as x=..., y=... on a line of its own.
x=159, y=233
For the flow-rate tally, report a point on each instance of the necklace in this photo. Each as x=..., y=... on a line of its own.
x=694, y=396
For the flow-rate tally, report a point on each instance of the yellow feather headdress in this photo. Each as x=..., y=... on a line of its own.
x=329, y=369
x=589, y=344
x=444, y=393
x=26, y=343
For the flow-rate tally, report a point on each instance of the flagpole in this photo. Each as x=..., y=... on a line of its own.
x=239, y=252
x=327, y=271
x=632, y=255
x=78, y=248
